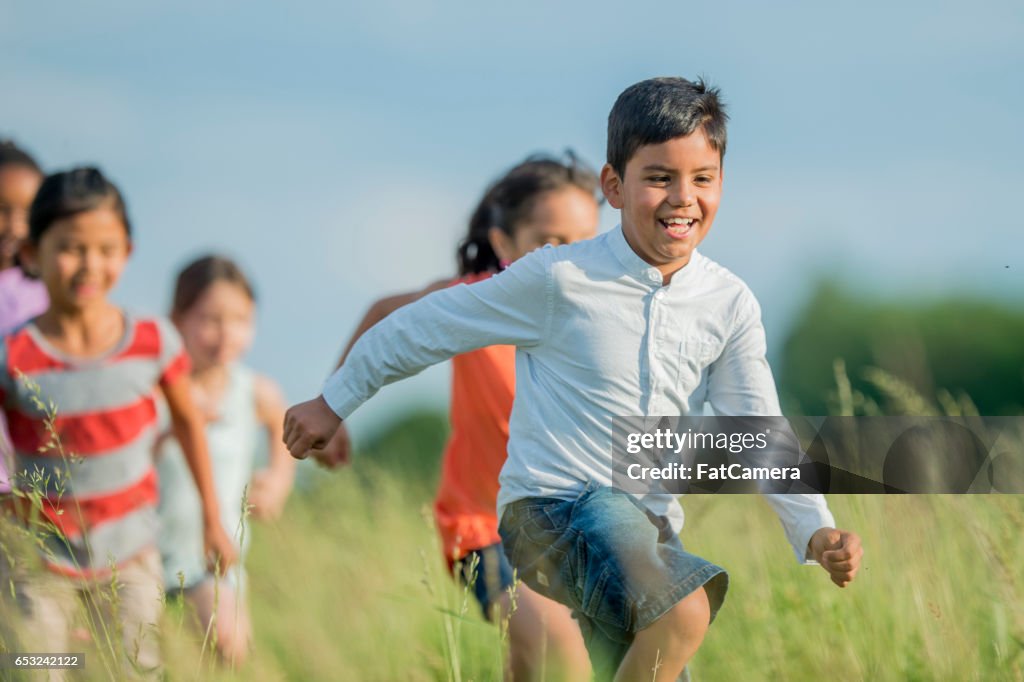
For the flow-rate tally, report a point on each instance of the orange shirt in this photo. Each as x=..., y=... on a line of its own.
x=483, y=386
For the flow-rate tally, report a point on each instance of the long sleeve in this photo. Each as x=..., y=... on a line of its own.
x=741, y=383
x=801, y=515
x=513, y=308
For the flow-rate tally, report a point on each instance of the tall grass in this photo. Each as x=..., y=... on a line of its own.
x=931, y=602
x=350, y=585
x=22, y=541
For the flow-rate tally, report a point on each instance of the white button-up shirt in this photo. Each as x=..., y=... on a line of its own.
x=597, y=336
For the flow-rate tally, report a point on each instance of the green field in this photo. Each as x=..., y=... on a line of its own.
x=350, y=585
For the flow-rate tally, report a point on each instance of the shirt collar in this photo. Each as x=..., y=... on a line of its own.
x=638, y=267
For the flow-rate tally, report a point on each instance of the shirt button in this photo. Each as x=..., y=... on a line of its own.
x=659, y=294
x=654, y=277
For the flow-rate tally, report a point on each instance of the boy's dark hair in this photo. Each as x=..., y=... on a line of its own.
x=660, y=109
x=69, y=193
x=200, y=274
x=509, y=200
x=13, y=155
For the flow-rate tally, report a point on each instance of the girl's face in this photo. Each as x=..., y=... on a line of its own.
x=562, y=216
x=80, y=258
x=218, y=328
x=18, y=185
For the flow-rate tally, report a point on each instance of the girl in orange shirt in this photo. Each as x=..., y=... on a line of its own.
x=540, y=201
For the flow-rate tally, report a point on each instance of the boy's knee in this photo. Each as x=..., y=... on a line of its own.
x=690, y=618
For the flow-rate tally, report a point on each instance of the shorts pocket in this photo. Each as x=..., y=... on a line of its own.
x=595, y=586
x=595, y=597
x=540, y=547
x=527, y=529
x=543, y=523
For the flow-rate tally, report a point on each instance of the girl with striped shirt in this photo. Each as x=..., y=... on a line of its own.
x=88, y=372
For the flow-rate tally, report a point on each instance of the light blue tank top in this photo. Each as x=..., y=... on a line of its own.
x=233, y=440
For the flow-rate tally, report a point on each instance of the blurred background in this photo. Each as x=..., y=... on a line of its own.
x=336, y=151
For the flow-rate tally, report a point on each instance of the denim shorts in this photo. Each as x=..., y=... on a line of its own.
x=616, y=565
x=488, y=572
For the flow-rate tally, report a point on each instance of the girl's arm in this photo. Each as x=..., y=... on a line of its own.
x=384, y=307
x=188, y=429
x=271, y=486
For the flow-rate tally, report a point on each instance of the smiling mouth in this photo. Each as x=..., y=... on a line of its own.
x=678, y=228
x=85, y=289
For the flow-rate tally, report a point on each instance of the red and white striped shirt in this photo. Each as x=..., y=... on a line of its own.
x=100, y=487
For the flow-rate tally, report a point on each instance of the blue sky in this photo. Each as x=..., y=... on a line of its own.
x=336, y=150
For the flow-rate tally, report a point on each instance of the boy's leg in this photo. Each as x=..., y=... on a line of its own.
x=607, y=655
x=544, y=640
x=661, y=651
x=602, y=555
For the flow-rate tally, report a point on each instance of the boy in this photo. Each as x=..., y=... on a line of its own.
x=634, y=322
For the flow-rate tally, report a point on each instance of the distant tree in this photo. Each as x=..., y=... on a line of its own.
x=958, y=345
x=409, y=446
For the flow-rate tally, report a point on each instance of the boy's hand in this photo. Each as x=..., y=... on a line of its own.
x=839, y=552
x=309, y=425
x=220, y=551
x=337, y=452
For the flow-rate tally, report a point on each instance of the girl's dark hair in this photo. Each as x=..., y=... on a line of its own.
x=200, y=275
x=69, y=193
x=509, y=200
x=13, y=155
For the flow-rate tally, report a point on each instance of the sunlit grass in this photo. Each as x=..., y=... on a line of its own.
x=350, y=585
x=933, y=600
x=340, y=592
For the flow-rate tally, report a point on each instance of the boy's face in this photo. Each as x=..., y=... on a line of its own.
x=668, y=198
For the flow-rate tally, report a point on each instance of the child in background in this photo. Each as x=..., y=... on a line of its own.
x=634, y=322
x=100, y=366
x=213, y=310
x=540, y=201
x=20, y=297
